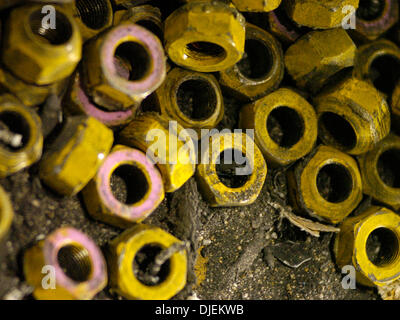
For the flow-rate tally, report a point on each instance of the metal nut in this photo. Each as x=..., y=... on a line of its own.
x=6, y=214
x=256, y=5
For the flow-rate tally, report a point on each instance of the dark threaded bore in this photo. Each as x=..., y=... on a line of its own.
x=93, y=13
x=389, y=169
x=370, y=9
x=337, y=131
x=196, y=98
x=75, y=261
x=143, y=262
x=229, y=161
x=382, y=247
x=134, y=58
x=285, y=126
x=14, y=123
x=385, y=73
x=257, y=60
x=334, y=183
x=129, y=184
x=205, y=50
x=60, y=35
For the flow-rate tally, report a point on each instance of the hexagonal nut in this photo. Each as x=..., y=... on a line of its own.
x=356, y=244
x=158, y=138
x=41, y=57
x=30, y=95
x=91, y=16
x=314, y=58
x=205, y=36
x=256, y=5
x=6, y=214
x=221, y=176
x=285, y=126
x=130, y=255
x=78, y=266
x=375, y=18
x=74, y=157
x=144, y=188
x=353, y=116
x=194, y=99
x=122, y=66
x=260, y=71
x=379, y=171
x=22, y=138
x=326, y=185
x=319, y=14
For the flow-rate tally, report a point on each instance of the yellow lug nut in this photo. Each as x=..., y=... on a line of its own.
x=355, y=245
x=73, y=259
x=326, y=184
x=6, y=214
x=143, y=182
x=21, y=136
x=317, y=56
x=41, y=56
x=256, y=5
x=192, y=98
x=231, y=171
x=353, y=116
x=285, y=126
x=76, y=154
x=370, y=63
x=260, y=71
x=319, y=14
x=205, y=36
x=146, y=16
x=380, y=172
x=91, y=16
x=129, y=256
x=166, y=143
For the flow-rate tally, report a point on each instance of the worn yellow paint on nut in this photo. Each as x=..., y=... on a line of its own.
x=319, y=14
x=350, y=246
x=122, y=252
x=255, y=116
x=76, y=154
x=158, y=137
x=13, y=160
x=362, y=107
x=304, y=191
x=189, y=27
x=317, y=56
x=6, y=213
x=214, y=191
x=41, y=59
x=256, y=5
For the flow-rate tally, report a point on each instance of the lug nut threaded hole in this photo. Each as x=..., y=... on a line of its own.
x=129, y=184
x=14, y=131
x=143, y=263
x=197, y=99
x=58, y=36
x=229, y=161
x=93, y=13
x=75, y=261
x=203, y=50
x=337, y=130
x=257, y=61
x=370, y=9
x=285, y=126
x=132, y=61
x=334, y=183
x=382, y=247
x=388, y=168
x=385, y=73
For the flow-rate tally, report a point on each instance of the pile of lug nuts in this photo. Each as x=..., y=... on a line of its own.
x=137, y=88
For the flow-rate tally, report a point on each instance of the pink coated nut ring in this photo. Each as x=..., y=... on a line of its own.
x=123, y=66
x=145, y=189
x=73, y=259
x=78, y=102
